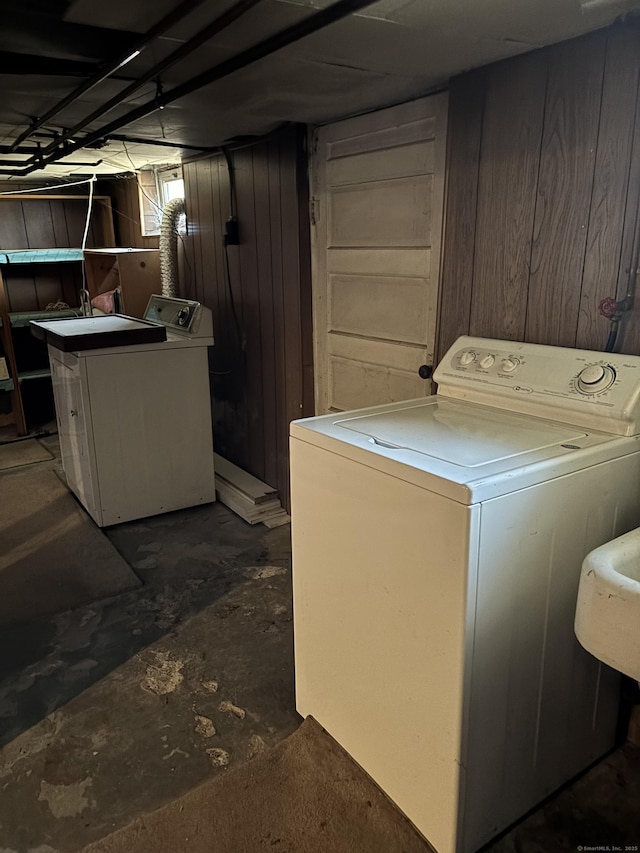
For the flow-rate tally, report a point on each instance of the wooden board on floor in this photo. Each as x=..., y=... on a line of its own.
x=253, y=488
x=250, y=498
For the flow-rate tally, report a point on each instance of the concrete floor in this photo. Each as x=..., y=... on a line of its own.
x=118, y=707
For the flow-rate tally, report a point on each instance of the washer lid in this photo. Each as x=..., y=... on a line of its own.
x=463, y=451
x=453, y=432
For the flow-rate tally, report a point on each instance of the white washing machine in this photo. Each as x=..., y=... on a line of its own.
x=134, y=408
x=437, y=546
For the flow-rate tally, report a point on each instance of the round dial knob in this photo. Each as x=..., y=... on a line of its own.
x=595, y=378
x=468, y=357
x=487, y=361
x=510, y=364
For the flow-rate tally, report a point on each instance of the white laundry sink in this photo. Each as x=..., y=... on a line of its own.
x=608, y=611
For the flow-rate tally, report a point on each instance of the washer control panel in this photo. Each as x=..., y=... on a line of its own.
x=583, y=387
x=182, y=316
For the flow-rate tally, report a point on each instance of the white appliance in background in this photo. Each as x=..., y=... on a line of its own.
x=437, y=546
x=133, y=408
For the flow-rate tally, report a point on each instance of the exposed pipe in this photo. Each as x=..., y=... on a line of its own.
x=4, y=162
x=177, y=14
x=216, y=26
x=23, y=149
x=168, y=246
x=136, y=140
x=288, y=36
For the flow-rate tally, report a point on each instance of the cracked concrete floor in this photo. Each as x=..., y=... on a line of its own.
x=113, y=709
x=119, y=706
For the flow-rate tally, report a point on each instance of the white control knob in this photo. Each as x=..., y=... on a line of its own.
x=467, y=357
x=510, y=364
x=595, y=378
x=486, y=362
x=591, y=375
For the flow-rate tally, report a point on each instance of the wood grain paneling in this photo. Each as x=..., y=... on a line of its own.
x=279, y=295
x=514, y=109
x=305, y=290
x=261, y=357
x=464, y=131
x=554, y=137
x=609, y=199
x=565, y=185
x=247, y=267
x=262, y=229
x=629, y=271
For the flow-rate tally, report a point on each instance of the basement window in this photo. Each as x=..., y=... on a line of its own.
x=171, y=185
x=156, y=187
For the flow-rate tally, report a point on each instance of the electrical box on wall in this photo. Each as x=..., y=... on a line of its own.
x=231, y=232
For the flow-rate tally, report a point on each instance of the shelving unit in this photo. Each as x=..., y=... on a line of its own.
x=27, y=358
x=6, y=384
x=40, y=265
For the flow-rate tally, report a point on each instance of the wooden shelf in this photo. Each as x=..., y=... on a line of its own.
x=23, y=318
x=25, y=375
x=40, y=256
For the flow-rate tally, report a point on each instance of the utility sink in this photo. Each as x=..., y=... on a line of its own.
x=608, y=611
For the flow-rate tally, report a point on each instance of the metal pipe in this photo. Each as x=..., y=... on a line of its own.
x=177, y=14
x=4, y=162
x=216, y=26
x=288, y=36
x=136, y=140
x=23, y=149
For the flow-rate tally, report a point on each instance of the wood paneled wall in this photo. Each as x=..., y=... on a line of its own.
x=260, y=295
x=543, y=193
x=126, y=214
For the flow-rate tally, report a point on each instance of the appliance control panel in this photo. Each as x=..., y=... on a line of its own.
x=182, y=316
x=584, y=387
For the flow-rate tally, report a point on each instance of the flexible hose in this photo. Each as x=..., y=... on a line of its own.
x=169, y=246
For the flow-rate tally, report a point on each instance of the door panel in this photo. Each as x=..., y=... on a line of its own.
x=377, y=197
x=381, y=213
x=71, y=416
x=356, y=384
x=416, y=159
x=379, y=306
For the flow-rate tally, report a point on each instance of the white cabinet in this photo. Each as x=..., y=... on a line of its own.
x=135, y=428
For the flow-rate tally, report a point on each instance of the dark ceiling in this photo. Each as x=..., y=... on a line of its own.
x=258, y=63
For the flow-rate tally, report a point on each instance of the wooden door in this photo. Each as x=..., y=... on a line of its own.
x=377, y=186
